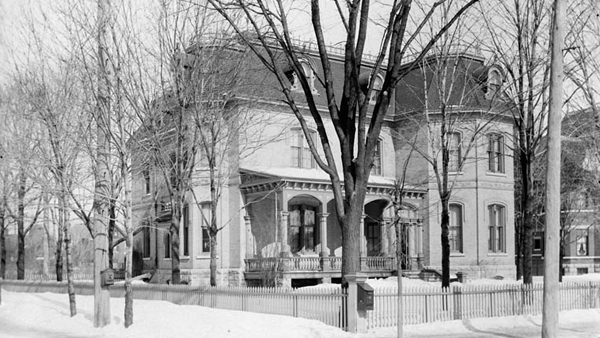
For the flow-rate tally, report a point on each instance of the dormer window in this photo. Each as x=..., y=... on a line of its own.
x=364, y=79
x=494, y=82
x=377, y=85
x=295, y=82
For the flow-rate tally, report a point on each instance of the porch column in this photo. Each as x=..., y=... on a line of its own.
x=419, y=239
x=363, y=240
x=385, y=227
x=323, y=234
x=249, y=237
x=283, y=234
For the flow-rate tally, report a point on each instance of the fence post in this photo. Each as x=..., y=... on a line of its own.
x=295, y=305
x=457, y=295
x=357, y=322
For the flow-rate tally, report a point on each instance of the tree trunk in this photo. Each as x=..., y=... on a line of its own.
x=111, y=229
x=528, y=253
x=518, y=247
x=21, y=225
x=175, y=242
x=128, y=276
x=128, y=244
x=68, y=258
x=59, y=256
x=445, y=244
x=351, y=241
x=213, y=258
x=2, y=242
x=46, y=243
x=527, y=222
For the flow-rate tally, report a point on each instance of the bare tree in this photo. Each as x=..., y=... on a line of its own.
x=518, y=35
x=357, y=128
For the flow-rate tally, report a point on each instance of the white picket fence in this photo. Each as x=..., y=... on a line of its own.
x=324, y=304
x=430, y=304
x=423, y=304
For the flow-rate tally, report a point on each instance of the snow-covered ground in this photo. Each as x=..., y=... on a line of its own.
x=47, y=315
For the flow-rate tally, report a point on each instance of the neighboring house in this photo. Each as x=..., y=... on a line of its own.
x=278, y=206
x=480, y=135
x=580, y=197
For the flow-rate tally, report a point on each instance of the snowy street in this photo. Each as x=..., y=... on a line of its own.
x=47, y=315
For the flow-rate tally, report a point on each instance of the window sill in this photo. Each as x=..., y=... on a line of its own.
x=205, y=255
x=184, y=258
x=455, y=172
x=147, y=258
x=494, y=173
x=498, y=254
x=457, y=254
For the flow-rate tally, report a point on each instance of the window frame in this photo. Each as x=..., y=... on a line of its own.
x=377, y=168
x=582, y=239
x=147, y=241
x=458, y=229
x=206, y=216
x=300, y=149
x=497, y=214
x=309, y=73
x=147, y=181
x=496, y=158
x=377, y=86
x=454, y=153
x=167, y=244
x=302, y=229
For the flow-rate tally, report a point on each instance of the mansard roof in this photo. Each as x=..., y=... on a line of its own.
x=467, y=81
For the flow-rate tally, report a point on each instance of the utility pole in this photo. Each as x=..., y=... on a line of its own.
x=102, y=191
x=551, y=253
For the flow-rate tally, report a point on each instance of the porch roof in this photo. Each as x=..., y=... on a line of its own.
x=260, y=179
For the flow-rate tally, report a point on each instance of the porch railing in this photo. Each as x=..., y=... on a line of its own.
x=315, y=264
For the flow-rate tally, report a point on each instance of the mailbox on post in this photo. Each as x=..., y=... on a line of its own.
x=365, y=297
x=107, y=277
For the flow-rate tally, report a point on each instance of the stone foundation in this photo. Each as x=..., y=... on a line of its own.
x=201, y=277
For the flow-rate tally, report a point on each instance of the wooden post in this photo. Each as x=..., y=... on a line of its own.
x=552, y=233
x=101, y=193
x=356, y=319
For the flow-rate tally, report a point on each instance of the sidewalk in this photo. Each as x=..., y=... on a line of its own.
x=572, y=324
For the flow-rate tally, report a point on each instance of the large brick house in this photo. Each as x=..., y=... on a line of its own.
x=278, y=206
x=580, y=196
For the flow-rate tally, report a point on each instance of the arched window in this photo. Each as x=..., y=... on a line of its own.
x=496, y=153
x=497, y=228
x=301, y=155
x=302, y=223
x=455, y=234
x=494, y=82
x=308, y=72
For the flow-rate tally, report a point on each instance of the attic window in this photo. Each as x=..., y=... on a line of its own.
x=364, y=79
x=494, y=81
x=296, y=86
x=377, y=85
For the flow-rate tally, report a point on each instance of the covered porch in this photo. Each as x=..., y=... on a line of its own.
x=292, y=232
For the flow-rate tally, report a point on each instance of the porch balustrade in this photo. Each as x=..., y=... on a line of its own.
x=315, y=264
